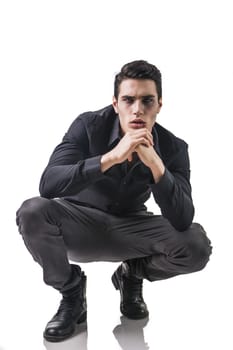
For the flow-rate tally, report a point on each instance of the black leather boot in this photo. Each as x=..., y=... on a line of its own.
x=72, y=310
x=132, y=304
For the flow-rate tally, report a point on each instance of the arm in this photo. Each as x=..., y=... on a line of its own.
x=171, y=188
x=70, y=168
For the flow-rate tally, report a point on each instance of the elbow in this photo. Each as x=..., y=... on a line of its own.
x=43, y=188
x=185, y=221
x=44, y=192
x=181, y=226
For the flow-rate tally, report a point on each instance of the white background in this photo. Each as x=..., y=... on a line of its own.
x=57, y=60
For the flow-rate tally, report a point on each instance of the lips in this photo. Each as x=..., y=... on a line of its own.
x=137, y=123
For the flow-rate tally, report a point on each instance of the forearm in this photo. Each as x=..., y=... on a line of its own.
x=157, y=168
x=174, y=200
x=64, y=180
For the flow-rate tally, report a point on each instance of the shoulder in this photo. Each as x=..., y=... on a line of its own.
x=167, y=138
x=101, y=116
x=169, y=144
x=92, y=122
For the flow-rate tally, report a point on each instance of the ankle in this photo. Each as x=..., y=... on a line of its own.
x=128, y=270
x=73, y=281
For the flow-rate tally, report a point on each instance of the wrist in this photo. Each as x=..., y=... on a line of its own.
x=107, y=161
x=158, y=169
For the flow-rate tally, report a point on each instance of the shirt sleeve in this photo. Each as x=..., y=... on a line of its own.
x=70, y=168
x=173, y=192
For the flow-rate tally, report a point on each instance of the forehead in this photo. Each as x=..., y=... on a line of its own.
x=137, y=87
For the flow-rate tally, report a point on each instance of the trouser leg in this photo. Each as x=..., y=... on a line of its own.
x=156, y=250
x=149, y=243
x=53, y=233
x=40, y=224
x=55, y=230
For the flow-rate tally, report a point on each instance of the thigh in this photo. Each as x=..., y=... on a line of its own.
x=145, y=235
x=84, y=231
x=93, y=235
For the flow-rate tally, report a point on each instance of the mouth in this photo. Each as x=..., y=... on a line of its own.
x=137, y=123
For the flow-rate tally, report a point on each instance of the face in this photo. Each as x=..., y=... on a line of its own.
x=137, y=104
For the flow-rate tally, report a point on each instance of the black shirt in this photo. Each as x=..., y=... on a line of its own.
x=74, y=171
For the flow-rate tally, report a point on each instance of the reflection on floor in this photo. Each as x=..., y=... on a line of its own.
x=130, y=334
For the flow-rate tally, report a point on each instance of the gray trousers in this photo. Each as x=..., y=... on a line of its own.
x=55, y=231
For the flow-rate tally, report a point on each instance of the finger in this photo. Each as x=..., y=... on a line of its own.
x=143, y=133
x=145, y=142
x=130, y=158
x=150, y=138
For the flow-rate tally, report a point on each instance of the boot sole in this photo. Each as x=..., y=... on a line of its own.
x=56, y=339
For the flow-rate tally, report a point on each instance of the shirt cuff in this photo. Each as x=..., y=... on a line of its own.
x=92, y=168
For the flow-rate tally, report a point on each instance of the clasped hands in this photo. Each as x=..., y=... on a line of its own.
x=141, y=142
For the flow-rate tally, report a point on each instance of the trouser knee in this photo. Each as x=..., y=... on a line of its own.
x=29, y=215
x=199, y=247
x=184, y=253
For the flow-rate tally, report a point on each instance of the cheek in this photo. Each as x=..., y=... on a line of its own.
x=151, y=122
x=122, y=120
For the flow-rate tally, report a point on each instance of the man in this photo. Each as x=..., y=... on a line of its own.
x=92, y=208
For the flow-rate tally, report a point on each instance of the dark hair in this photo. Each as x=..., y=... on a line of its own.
x=138, y=70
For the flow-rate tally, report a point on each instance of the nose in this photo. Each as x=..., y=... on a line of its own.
x=138, y=108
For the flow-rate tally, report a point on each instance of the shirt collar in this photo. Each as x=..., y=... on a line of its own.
x=156, y=140
x=115, y=132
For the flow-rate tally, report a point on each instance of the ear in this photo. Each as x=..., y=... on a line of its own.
x=114, y=103
x=160, y=105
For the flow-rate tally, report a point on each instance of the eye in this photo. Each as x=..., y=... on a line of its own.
x=148, y=101
x=128, y=99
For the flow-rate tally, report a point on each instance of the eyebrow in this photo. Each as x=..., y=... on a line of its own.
x=132, y=96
